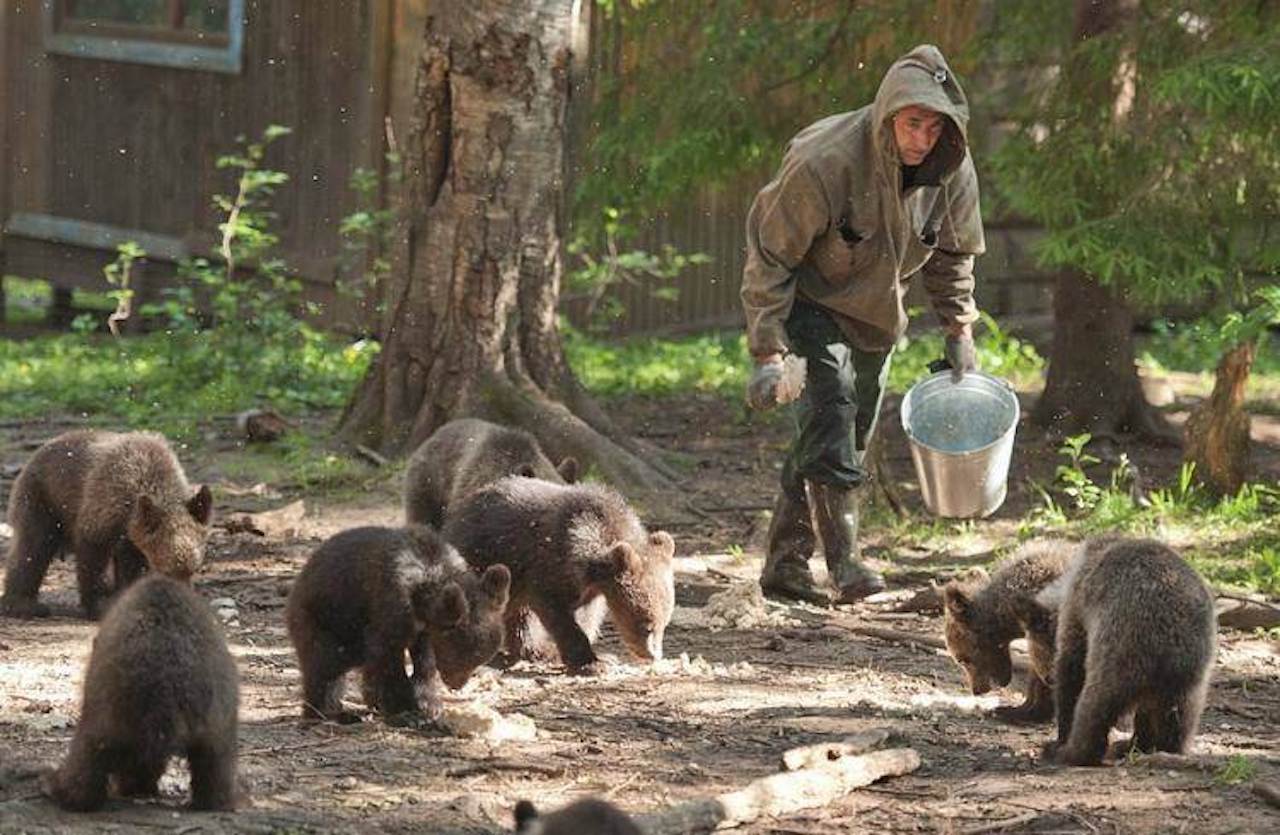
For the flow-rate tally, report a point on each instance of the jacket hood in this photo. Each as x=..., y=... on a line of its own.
x=922, y=77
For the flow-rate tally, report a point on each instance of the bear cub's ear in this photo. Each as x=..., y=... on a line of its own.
x=200, y=506
x=957, y=599
x=568, y=469
x=664, y=546
x=449, y=608
x=1032, y=617
x=618, y=559
x=496, y=583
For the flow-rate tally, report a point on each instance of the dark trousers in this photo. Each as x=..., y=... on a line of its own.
x=837, y=410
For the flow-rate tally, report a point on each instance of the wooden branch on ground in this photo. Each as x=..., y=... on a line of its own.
x=372, y=456
x=1269, y=792
x=1001, y=825
x=494, y=766
x=1240, y=612
x=780, y=794
x=898, y=636
x=809, y=756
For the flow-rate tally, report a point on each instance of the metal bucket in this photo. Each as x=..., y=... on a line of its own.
x=961, y=437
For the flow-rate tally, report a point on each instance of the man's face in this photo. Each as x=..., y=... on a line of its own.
x=916, y=130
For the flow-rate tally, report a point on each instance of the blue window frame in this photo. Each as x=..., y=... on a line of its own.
x=188, y=34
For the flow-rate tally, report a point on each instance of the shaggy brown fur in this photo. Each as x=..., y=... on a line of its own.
x=369, y=594
x=573, y=550
x=1137, y=630
x=160, y=683
x=585, y=817
x=465, y=455
x=110, y=498
x=981, y=618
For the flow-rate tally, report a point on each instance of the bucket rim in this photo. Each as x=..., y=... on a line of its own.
x=904, y=412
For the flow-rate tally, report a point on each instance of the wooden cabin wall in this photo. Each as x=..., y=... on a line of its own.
x=133, y=146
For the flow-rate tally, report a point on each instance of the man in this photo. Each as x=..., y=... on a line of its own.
x=862, y=201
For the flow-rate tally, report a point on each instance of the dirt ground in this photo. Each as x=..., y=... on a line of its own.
x=715, y=714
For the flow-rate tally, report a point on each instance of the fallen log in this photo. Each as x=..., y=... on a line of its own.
x=780, y=794
x=1240, y=612
x=1268, y=792
x=809, y=756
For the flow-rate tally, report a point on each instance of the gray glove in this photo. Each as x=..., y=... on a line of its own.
x=762, y=388
x=960, y=352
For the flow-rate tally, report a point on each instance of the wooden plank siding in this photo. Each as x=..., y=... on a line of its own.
x=133, y=146
x=713, y=221
x=111, y=150
x=6, y=33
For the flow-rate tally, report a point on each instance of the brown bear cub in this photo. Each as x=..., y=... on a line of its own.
x=585, y=817
x=981, y=618
x=1136, y=630
x=465, y=455
x=111, y=498
x=160, y=683
x=573, y=550
x=369, y=594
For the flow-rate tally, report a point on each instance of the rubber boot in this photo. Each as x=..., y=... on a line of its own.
x=835, y=511
x=786, y=562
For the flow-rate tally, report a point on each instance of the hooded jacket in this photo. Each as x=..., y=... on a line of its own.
x=835, y=227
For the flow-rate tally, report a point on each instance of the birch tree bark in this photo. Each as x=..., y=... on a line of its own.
x=469, y=322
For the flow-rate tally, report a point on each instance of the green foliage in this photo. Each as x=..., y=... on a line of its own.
x=999, y=353
x=1237, y=769
x=366, y=232
x=252, y=296
x=171, y=382
x=718, y=362
x=693, y=94
x=712, y=363
x=252, y=347
x=119, y=274
x=1071, y=477
x=1231, y=540
x=597, y=274
x=1196, y=346
x=1170, y=194
x=26, y=300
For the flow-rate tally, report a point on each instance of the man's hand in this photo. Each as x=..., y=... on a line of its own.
x=960, y=352
x=762, y=388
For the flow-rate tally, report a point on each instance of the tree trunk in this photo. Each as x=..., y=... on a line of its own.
x=1092, y=384
x=1217, y=432
x=470, y=307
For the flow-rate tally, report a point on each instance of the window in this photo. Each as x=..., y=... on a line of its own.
x=192, y=34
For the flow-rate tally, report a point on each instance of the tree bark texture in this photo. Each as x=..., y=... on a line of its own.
x=470, y=307
x=1092, y=383
x=1217, y=432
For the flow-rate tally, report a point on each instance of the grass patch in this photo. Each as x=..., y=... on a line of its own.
x=1237, y=769
x=308, y=463
x=26, y=300
x=171, y=382
x=1195, y=348
x=718, y=363
x=1233, y=541
x=711, y=363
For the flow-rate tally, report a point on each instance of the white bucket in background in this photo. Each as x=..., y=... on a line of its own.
x=961, y=437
